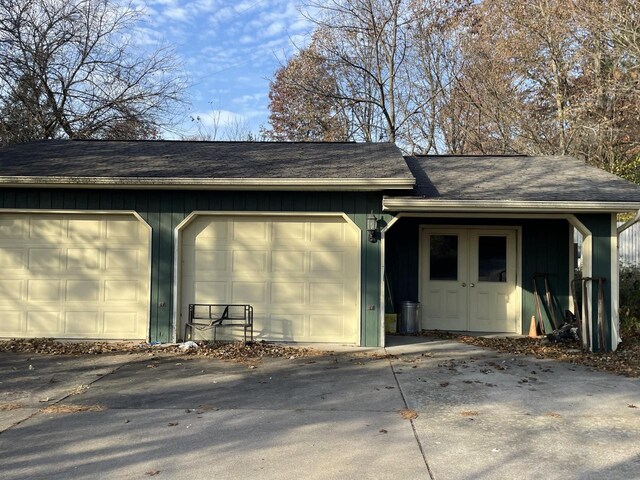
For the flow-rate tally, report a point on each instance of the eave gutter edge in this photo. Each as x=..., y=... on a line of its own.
x=357, y=184
x=422, y=205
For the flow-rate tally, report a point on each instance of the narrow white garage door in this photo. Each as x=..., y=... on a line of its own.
x=301, y=274
x=74, y=276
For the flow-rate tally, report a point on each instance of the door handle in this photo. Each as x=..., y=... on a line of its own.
x=472, y=284
x=464, y=284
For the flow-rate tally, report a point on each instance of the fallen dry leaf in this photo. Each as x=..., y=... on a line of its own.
x=408, y=414
x=553, y=415
x=72, y=408
x=79, y=390
x=469, y=413
x=10, y=406
x=152, y=473
x=382, y=430
x=624, y=361
x=631, y=406
x=206, y=408
x=381, y=356
x=220, y=350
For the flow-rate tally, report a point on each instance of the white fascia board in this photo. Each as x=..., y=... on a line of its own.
x=428, y=205
x=333, y=184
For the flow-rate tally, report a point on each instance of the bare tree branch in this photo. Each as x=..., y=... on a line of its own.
x=71, y=68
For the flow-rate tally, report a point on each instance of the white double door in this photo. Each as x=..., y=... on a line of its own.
x=468, y=279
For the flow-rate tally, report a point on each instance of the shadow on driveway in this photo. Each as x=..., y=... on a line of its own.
x=481, y=414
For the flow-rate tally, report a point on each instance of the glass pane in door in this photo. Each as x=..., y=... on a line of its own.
x=443, y=257
x=492, y=258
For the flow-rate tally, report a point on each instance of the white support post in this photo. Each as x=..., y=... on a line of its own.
x=383, y=234
x=383, y=306
x=615, y=275
x=587, y=268
x=615, y=287
x=572, y=262
x=587, y=306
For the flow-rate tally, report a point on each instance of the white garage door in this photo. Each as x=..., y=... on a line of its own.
x=74, y=276
x=300, y=274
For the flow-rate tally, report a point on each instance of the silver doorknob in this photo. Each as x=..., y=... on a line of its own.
x=464, y=284
x=472, y=284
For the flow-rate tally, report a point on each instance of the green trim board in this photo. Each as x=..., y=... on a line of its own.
x=164, y=210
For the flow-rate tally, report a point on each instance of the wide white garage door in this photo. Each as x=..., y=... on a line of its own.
x=301, y=274
x=74, y=276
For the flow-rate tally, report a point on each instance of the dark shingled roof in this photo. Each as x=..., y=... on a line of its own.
x=221, y=160
x=516, y=178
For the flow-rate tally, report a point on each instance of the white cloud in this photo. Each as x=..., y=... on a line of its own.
x=274, y=29
x=298, y=42
x=207, y=5
x=230, y=49
x=218, y=118
x=145, y=36
x=164, y=2
x=301, y=25
x=177, y=13
x=245, y=6
x=221, y=15
x=247, y=99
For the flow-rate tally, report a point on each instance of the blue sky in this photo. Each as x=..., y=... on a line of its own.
x=229, y=49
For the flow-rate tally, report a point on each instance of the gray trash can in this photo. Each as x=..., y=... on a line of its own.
x=409, y=317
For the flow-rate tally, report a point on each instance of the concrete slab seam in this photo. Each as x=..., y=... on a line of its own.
x=20, y=421
x=110, y=372
x=413, y=427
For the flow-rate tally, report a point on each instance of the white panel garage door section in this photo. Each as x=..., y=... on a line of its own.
x=301, y=274
x=74, y=276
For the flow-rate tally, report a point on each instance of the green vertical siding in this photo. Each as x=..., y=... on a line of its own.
x=545, y=249
x=402, y=252
x=164, y=210
x=371, y=269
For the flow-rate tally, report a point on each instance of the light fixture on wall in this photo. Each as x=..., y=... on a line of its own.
x=372, y=227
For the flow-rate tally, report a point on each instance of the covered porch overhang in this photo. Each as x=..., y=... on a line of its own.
x=595, y=221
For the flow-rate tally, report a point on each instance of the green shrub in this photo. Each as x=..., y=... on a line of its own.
x=630, y=300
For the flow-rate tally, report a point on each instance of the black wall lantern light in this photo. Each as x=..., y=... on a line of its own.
x=372, y=227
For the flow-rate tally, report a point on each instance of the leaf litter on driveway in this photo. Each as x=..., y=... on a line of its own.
x=219, y=350
x=65, y=408
x=624, y=361
x=408, y=414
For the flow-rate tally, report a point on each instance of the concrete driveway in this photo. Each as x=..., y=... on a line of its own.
x=335, y=415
